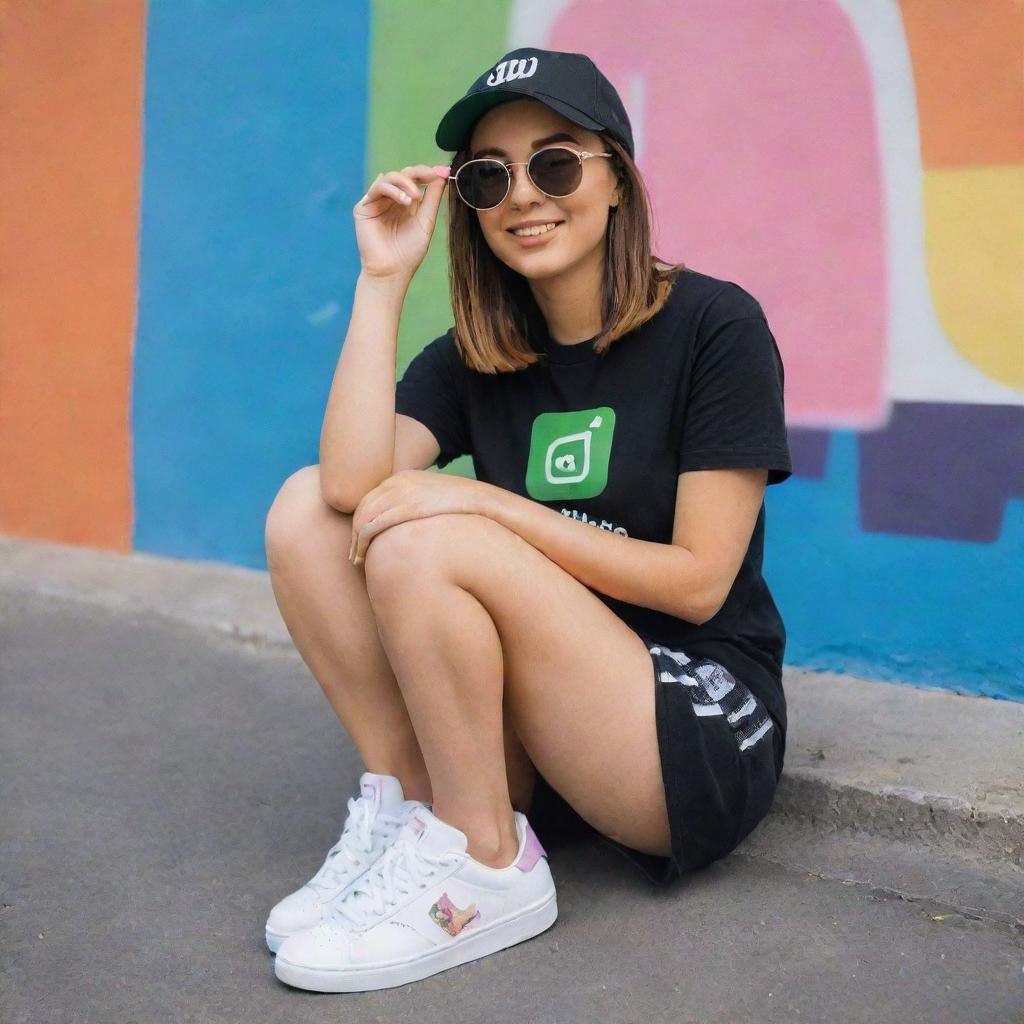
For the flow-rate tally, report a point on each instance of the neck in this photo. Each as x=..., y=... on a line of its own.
x=571, y=302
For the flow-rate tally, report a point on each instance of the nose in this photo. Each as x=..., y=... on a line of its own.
x=522, y=190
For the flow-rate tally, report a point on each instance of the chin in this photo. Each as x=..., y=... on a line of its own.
x=531, y=263
x=541, y=273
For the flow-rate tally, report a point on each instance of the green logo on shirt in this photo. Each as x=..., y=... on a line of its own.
x=569, y=454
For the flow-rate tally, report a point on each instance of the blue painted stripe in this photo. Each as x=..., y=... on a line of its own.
x=254, y=152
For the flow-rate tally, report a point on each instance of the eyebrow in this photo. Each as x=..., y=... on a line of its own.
x=537, y=143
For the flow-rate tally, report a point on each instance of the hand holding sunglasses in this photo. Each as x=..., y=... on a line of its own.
x=394, y=221
x=556, y=171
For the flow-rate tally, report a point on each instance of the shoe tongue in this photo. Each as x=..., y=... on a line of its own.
x=384, y=790
x=434, y=836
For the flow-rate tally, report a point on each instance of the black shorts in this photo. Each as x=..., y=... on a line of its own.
x=719, y=756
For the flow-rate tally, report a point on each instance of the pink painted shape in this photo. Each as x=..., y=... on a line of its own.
x=758, y=144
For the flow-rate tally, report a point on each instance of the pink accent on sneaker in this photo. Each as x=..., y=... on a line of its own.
x=532, y=852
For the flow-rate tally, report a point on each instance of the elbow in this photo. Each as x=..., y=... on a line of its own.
x=340, y=505
x=337, y=500
x=344, y=494
x=705, y=610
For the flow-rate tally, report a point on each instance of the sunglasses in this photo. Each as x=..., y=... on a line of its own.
x=485, y=182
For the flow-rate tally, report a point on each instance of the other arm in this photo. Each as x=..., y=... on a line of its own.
x=690, y=578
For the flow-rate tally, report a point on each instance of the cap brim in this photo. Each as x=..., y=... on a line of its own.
x=455, y=127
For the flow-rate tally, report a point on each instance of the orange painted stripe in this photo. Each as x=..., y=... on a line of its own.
x=967, y=78
x=71, y=87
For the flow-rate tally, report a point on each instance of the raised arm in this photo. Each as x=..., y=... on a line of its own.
x=357, y=439
x=394, y=222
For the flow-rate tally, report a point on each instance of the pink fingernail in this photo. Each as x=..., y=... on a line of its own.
x=441, y=171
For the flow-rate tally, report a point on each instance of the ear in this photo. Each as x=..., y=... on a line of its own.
x=619, y=188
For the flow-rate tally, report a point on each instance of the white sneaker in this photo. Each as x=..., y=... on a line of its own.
x=373, y=822
x=423, y=907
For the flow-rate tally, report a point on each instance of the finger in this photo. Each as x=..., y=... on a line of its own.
x=358, y=528
x=358, y=515
x=426, y=174
x=369, y=191
x=360, y=545
x=363, y=542
x=385, y=190
x=434, y=192
x=420, y=174
x=359, y=519
x=405, y=182
x=366, y=535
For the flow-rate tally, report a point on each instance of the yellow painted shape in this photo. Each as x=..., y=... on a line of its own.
x=974, y=242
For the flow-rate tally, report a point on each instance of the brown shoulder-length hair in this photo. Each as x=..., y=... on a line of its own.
x=493, y=304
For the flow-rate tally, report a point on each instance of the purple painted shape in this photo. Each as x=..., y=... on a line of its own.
x=942, y=470
x=532, y=852
x=808, y=451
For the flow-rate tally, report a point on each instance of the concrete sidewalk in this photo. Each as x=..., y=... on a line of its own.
x=892, y=759
x=168, y=770
x=936, y=770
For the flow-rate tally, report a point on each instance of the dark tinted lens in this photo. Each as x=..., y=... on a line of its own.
x=483, y=183
x=556, y=171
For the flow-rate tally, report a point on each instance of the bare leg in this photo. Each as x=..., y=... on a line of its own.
x=480, y=625
x=323, y=601
x=447, y=653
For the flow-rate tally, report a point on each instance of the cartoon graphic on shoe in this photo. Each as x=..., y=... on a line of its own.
x=425, y=906
x=449, y=917
x=374, y=821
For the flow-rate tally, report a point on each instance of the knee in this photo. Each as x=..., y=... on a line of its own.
x=404, y=555
x=298, y=506
x=395, y=554
x=408, y=551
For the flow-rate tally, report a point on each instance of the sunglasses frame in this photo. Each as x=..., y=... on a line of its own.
x=581, y=155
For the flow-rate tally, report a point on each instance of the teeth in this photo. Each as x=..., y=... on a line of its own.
x=539, y=229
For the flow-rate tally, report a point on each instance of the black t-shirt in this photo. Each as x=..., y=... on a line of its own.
x=603, y=439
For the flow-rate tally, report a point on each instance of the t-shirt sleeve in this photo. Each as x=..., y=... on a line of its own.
x=429, y=392
x=734, y=415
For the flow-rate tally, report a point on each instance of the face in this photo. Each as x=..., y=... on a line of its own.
x=582, y=217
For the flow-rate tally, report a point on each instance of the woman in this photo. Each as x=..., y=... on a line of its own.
x=490, y=655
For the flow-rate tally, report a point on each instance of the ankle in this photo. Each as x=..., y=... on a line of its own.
x=503, y=856
x=416, y=788
x=493, y=842
x=415, y=782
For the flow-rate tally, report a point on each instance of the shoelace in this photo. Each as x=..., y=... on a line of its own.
x=356, y=837
x=401, y=869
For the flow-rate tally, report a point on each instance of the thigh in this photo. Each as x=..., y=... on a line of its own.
x=579, y=684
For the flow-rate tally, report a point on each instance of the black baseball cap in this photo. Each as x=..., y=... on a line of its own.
x=569, y=83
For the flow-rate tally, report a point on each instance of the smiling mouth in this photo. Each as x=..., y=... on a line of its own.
x=534, y=233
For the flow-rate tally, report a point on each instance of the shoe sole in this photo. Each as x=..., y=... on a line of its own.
x=500, y=935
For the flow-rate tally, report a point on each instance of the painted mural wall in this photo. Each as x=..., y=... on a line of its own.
x=178, y=260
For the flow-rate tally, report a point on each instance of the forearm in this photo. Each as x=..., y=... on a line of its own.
x=357, y=439
x=665, y=577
